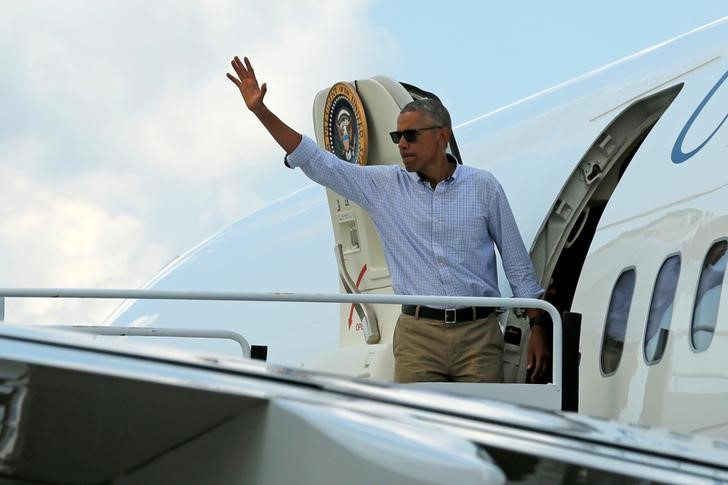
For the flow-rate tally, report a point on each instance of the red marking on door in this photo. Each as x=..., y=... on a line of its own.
x=358, y=282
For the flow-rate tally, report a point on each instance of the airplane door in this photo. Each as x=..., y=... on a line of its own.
x=562, y=243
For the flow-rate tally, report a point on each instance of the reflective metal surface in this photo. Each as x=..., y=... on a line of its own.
x=89, y=411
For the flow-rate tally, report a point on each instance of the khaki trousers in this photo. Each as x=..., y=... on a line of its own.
x=432, y=351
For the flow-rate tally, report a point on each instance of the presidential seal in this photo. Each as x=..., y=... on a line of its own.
x=345, y=126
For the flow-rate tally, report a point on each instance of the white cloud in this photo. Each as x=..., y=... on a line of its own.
x=123, y=143
x=49, y=238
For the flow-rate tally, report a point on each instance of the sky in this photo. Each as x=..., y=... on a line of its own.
x=122, y=144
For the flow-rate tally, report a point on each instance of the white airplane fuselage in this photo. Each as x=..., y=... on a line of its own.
x=616, y=171
x=670, y=201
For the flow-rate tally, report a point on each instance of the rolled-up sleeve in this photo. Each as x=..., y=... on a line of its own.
x=303, y=153
x=352, y=181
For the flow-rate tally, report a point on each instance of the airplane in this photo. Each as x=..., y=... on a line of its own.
x=615, y=179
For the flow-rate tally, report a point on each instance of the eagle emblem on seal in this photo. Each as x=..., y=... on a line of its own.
x=345, y=125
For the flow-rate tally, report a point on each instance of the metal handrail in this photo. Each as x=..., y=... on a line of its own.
x=161, y=332
x=453, y=301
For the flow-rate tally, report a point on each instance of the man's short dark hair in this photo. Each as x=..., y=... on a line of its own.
x=432, y=108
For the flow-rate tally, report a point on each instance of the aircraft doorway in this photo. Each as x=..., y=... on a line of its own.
x=563, y=241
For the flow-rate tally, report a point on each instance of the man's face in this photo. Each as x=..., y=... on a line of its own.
x=429, y=145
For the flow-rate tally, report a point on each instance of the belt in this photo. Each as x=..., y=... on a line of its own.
x=448, y=316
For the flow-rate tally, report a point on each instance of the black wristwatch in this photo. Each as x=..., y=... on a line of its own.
x=538, y=320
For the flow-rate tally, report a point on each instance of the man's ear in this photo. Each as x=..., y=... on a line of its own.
x=446, y=134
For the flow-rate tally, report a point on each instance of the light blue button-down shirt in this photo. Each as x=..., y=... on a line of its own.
x=436, y=242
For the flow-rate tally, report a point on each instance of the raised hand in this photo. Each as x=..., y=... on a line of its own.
x=253, y=95
x=248, y=85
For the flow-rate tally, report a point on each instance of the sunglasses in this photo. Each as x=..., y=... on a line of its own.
x=411, y=134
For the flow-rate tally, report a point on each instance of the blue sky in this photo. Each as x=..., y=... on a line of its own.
x=122, y=144
x=481, y=55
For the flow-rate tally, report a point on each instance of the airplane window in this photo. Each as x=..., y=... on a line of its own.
x=616, y=326
x=707, y=299
x=658, y=320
